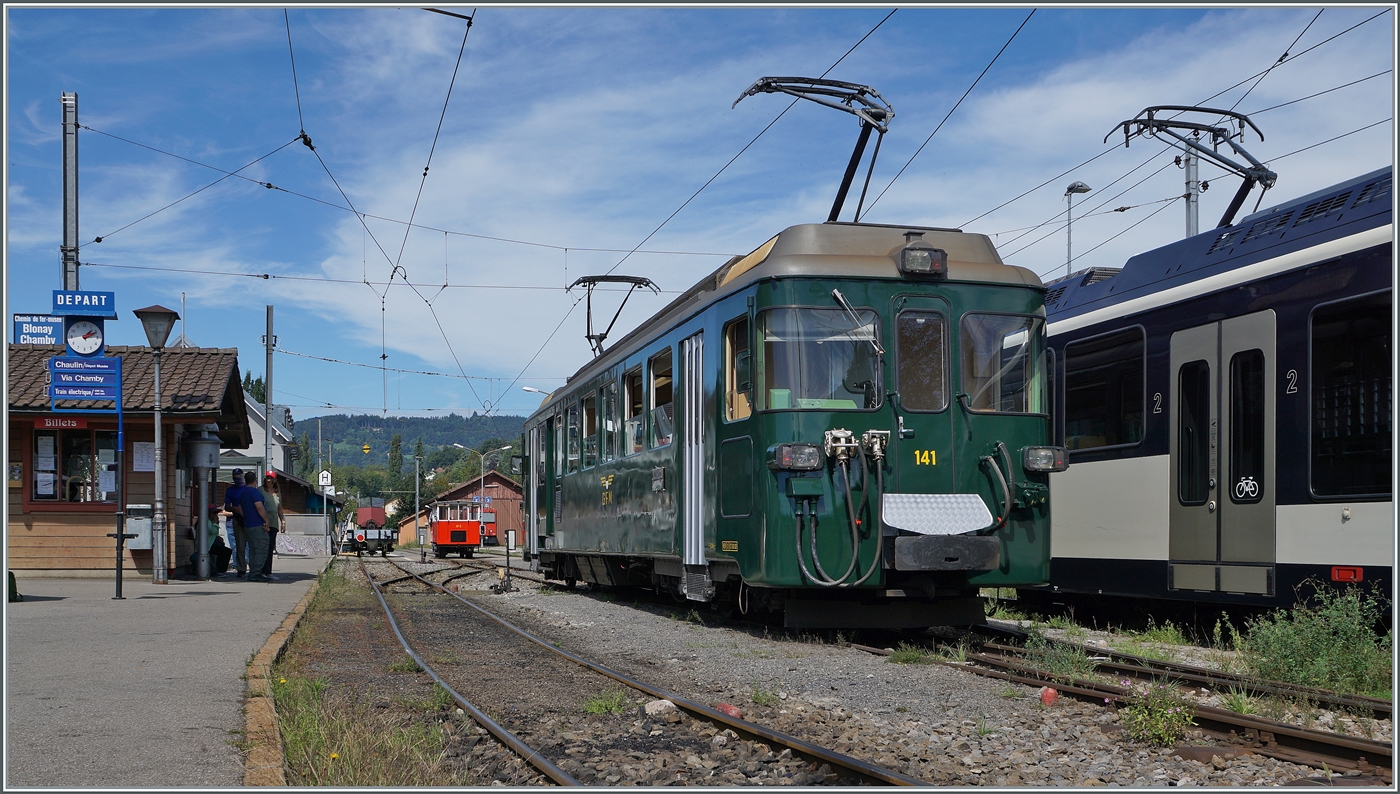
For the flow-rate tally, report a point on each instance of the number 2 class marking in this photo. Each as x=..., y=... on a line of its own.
x=925, y=457
x=1292, y=382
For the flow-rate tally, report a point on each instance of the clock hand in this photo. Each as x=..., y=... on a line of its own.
x=89, y=333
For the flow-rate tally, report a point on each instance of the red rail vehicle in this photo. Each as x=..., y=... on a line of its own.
x=459, y=526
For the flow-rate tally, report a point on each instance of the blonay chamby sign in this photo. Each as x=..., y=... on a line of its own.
x=38, y=329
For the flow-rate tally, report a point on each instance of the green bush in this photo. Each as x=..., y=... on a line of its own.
x=1159, y=715
x=1062, y=661
x=1328, y=642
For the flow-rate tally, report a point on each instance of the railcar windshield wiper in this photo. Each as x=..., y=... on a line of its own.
x=855, y=319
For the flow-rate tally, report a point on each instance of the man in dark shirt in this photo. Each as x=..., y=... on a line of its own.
x=233, y=504
x=255, y=524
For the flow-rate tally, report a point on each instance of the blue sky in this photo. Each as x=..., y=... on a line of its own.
x=584, y=128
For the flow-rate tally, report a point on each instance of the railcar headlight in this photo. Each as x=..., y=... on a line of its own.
x=921, y=259
x=1044, y=459
x=795, y=457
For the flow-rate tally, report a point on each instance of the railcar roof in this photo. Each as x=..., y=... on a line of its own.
x=823, y=250
x=1331, y=213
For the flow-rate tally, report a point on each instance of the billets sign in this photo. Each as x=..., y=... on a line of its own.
x=38, y=329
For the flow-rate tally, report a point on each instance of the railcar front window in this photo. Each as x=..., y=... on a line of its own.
x=822, y=359
x=922, y=349
x=1003, y=363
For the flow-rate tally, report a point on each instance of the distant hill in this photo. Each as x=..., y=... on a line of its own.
x=349, y=433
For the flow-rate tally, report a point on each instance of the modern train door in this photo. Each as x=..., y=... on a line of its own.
x=1222, y=531
x=696, y=583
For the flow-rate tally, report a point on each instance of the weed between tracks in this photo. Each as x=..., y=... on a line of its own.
x=614, y=702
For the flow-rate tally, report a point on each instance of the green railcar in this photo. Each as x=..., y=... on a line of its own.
x=848, y=427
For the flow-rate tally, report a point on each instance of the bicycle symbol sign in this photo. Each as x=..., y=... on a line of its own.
x=1246, y=488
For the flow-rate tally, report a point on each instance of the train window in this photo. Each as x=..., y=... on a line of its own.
x=590, y=431
x=922, y=350
x=558, y=445
x=636, y=403
x=609, y=420
x=820, y=359
x=1351, y=397
x=1003, y=363
x=1247, y=427
x=571, y=432
x=1104, y=390
x=738, y=370
x=1193, y=445
x=662, y=405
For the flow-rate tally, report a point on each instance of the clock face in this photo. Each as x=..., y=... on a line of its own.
x=84, y=337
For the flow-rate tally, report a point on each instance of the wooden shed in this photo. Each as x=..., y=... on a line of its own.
x=62, y=495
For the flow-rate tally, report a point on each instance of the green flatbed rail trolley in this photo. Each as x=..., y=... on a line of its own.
x=846, y=428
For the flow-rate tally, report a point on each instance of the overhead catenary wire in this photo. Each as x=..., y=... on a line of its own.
x=950, y=112
x=1292, y=60
x=403, y=371
x=722, y=169
x=301, y=123
x=372, y=216
x=1318, y=94
x=1280, y=60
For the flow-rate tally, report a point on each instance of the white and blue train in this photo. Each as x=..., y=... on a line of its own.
x=1225, y=401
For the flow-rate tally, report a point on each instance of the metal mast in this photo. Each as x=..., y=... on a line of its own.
x=69, y=249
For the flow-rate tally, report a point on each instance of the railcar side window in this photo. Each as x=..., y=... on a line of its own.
x=662, y=402
x=610, y=425
x=922, y=350
x=1003, y=363
x=590, y=431
x=820, y=358
x=558, y=445
x=738, y=369
x=1351, y=397
x=572, y=432
x=636, y=401
x=1104, y=390
x=1246, y=483
x=1193, y=446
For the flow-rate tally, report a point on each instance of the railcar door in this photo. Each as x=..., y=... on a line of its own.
x=696, y=583
x=921, y=448
x=1222, y=516
x=534, y=452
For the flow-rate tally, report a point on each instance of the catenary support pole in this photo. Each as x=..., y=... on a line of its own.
x=269, y=342
x=69, y=250
x=417, y=510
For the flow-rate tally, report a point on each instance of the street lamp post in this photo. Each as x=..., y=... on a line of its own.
x=481, y=484
x=158, y=322
x=418, y=511
x=1074, y=187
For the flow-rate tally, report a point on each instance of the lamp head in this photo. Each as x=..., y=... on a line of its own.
x=1077, y=187
x=533, y=390
x=158, y=322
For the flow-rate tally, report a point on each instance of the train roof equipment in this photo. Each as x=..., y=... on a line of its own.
x=861, y=101
x=595, y=341
x=1147, y=124
x=1344, y=215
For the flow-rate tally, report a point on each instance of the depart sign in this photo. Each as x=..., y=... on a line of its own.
x=82, y=303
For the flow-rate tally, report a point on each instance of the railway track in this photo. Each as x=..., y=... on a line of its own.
x=845, y=769
x=1318, y=749
x=1118, y=663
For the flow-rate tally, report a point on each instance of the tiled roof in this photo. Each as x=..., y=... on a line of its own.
x=193, y=379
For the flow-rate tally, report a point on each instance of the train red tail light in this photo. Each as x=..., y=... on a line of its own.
x=1346, y=573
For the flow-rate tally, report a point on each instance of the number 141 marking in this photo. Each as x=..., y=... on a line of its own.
x=925, y=457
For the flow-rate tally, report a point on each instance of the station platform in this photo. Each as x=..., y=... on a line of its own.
x=144, y=692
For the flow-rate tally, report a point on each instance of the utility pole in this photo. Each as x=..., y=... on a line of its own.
x=318, y=475
x=269, y=342
x=69, y=250
x=417, y=510
x=1193, y=194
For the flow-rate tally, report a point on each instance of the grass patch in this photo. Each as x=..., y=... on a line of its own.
x=436, y=700
x=1160, y=715
x=1061, y=661
x=332, y=742
x=1328, y=642
x=1010, y=692
x=614, y=702
x=764, y=697
x=907, y=653
x=405, y=665
x=1238, y=701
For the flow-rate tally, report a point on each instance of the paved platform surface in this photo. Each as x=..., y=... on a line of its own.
x=142, y=692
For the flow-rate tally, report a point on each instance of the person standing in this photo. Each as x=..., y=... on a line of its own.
x=255, y=525
x=233, y=505
x=272, y=503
